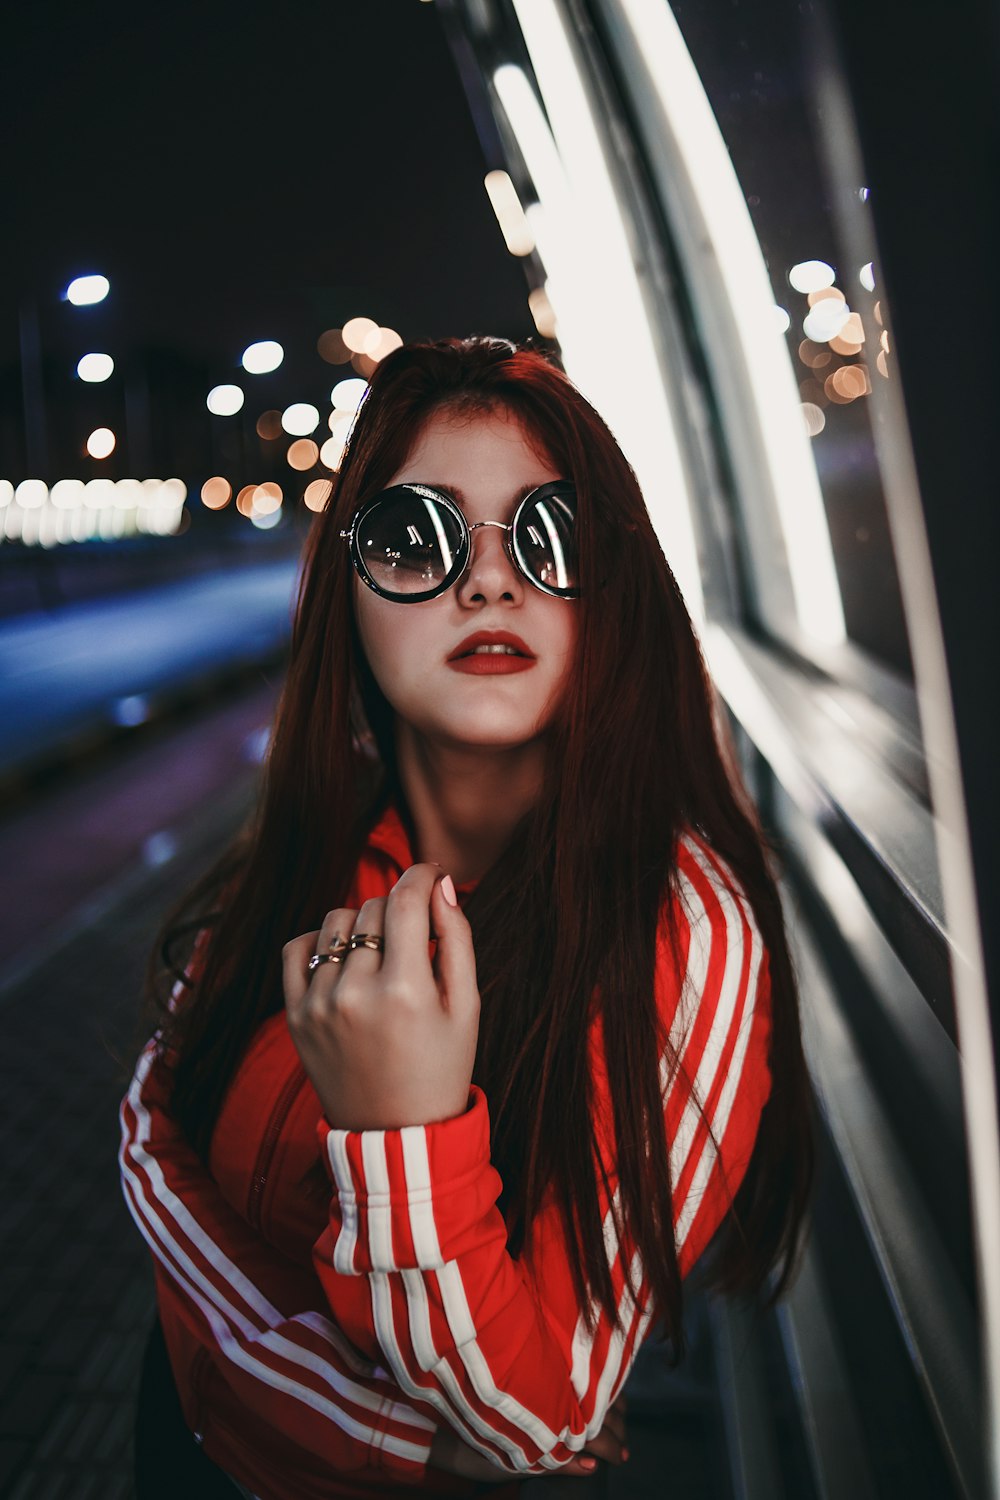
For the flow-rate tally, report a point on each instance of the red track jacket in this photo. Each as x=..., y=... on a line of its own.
x=317, y=1348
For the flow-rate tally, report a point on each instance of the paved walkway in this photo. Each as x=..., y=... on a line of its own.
x=75, y=1295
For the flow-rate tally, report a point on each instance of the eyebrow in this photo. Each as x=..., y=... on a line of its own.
x=458, y=495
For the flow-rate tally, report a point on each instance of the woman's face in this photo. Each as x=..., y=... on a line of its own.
x=486, y=462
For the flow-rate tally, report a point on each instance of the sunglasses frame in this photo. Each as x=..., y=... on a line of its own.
x=463, y=554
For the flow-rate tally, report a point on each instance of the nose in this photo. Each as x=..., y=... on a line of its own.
x=490, y=576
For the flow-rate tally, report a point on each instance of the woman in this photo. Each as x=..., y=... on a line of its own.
x=502, y=952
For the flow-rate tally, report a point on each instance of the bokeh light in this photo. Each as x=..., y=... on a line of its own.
x=340, y=424
x=93, y=368
x=84, y=291
x=31, y=493
x=347, y=395
x=99, y=493
x=265, y=519
x=244, y=500
x=263, y=357
x=814, y=355
x=811, y=391
x=510, y=214
x=825, y=294
x=303, y=454
x=867, y=277
x=331, y=347
x=216, y=492
x=331, y=454
x=269, y=425
x=224, y=400
x=542, y=312
x=317, y=493
x=266, y=498
x=101, y=443
x=364, y=365
x=824, y=321
x=847, y=384
x=67, y=494
x=782, y=319
x=300, y=419
x=128, y=494
x=811, y=275
x=356, y=332
x=380, y=343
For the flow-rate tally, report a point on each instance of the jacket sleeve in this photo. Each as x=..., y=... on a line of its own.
x=287, y=1365
x=415, y=1262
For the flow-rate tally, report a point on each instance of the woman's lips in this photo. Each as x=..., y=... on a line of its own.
x=491, y=664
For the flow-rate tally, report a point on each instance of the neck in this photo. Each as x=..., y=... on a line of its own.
x=465, y=803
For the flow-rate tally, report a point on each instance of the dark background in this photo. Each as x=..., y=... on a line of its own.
x=239, y=171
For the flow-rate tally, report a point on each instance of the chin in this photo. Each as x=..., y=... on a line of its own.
x=486, y=732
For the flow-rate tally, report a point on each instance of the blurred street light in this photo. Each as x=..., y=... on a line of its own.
x=84, y=291
x=263, y=357
x=94, y=368
x=224, y=400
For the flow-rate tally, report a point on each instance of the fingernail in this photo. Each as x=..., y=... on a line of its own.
x=448, y=890
x=590, y=1464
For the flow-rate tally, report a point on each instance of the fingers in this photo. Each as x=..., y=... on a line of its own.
x=419, y=904
x=369, y=922
x=336, y=929
x=407, y=921
x=614, y=1423
x=295, y=957
x=455, y=958
x=416, y=906
x=605, y=1445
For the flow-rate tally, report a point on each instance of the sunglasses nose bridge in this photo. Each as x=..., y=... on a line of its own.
x=507, y=528
x=500, y=525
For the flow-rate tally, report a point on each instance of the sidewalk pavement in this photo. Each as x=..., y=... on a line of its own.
x=76, y=1291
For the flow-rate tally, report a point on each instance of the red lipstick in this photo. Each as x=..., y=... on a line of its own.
x=516, y=656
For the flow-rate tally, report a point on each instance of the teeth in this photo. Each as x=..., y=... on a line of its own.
x=494, y=651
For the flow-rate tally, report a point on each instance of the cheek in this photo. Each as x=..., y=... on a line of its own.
x=564, y=630
x=391, y=637
x=375, y=633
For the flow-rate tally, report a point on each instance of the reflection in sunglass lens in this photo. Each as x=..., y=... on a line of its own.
x=545, y=542
x=409, y=542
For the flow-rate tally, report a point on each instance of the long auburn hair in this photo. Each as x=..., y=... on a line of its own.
x=638, y=750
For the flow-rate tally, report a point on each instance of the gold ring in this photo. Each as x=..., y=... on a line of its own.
x=371, y=940
x=324, y=958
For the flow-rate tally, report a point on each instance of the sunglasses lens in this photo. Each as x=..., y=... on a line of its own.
x=409, y=542
x=545, y=541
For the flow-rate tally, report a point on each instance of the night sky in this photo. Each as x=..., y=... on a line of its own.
x=239, y=171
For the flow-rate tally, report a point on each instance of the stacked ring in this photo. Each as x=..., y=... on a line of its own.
x=324, y=958
x=334, y=955
x=372, y=940
x=340, y=947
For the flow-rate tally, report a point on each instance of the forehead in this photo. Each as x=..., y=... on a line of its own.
x=481, y=453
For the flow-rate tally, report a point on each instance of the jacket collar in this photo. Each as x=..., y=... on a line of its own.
x=389, y=837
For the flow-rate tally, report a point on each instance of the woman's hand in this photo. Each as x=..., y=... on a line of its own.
x=388, y=1039
x=448, y=1452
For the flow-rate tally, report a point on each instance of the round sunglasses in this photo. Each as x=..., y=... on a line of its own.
x=412, y=542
